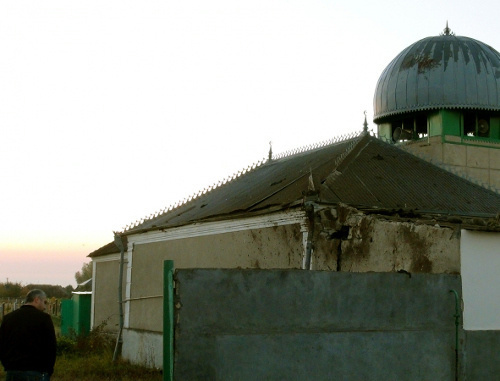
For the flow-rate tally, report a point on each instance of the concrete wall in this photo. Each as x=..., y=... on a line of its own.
x=481, y=354
x=305, y=325
x=144, y=348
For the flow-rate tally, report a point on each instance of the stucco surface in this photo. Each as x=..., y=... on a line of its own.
x=430, y=148
x=106, y=309
x=144, y=348
x=495, y=179
x=275, y=247
x=355, y=242
x=494, y=155
x=478, y=163
x=478, y=157
x=480, y=175
x=455, y=154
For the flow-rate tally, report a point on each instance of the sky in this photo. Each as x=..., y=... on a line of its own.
x=113, y=110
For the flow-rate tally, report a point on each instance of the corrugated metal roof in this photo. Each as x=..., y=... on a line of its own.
x=380, y=175
x=275, y=184
x=437, y=73
x=362, y=171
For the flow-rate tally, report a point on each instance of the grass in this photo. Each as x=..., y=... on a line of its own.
x=89, y=358
x=97, y=366
x=93, y=367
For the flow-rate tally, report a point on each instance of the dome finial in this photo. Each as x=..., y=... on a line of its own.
x=447, y=31
x=365, y=124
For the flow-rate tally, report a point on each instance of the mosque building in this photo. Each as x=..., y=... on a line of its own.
x=371, y=233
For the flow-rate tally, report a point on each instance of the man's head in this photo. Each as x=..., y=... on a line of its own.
x=36, y=298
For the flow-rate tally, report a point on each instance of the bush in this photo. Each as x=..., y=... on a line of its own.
x=65, y=345
x=92, y=367
x=97, y=341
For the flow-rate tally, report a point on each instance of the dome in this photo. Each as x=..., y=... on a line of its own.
x=442, y=72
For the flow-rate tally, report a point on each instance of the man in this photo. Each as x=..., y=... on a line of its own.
x=28, y=341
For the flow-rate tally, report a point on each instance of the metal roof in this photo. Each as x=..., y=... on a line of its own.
x=277, y=184
x=360, y=171
x=439, y=72
x=381, y=175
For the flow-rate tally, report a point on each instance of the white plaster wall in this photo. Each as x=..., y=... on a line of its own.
x=143, y=348
x=480, y=259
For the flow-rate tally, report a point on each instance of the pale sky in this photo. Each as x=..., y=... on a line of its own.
x=112, y=110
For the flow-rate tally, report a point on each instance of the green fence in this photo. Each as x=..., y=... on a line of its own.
x=168, y=320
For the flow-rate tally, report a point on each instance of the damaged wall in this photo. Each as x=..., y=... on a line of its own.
x=349, y=240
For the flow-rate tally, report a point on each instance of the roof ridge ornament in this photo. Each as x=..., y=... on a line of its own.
x=365, y=124
x=192, y=197
x=321, y=144
x=447, y=31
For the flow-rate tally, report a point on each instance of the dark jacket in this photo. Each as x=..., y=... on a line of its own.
x=28, y=341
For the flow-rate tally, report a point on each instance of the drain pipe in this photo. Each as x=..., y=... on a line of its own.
x=457, y=324
x=118, y=346
x=310, y=217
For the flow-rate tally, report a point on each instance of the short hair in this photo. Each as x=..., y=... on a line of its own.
x=33, y=294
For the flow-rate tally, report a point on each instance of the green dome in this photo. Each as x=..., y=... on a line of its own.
x=442, y=72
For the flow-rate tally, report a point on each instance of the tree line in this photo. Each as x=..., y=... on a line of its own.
x=17, y=290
